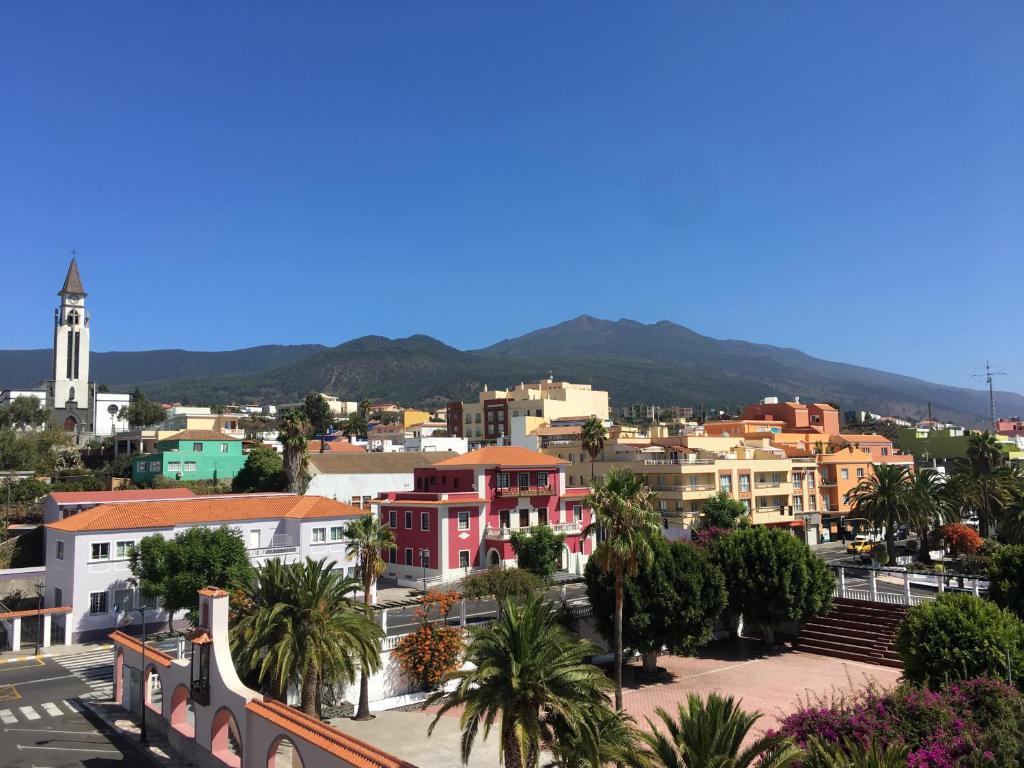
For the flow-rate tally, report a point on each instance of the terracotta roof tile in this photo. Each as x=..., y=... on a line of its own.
x=203, y=509
x=502, y=456
x=198, y=434
x=152, y=654
x=335, y=446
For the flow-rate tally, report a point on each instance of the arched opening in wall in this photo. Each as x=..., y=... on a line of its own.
x=493, y=558
x=183, y=712
x=226, y=739
x=284, y=754
x=564, y=558
x=154, y=690
x=118, y=674
x=70, y=424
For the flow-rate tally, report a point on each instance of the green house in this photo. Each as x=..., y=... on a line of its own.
x=194, y=454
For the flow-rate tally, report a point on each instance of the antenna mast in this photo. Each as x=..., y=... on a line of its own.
x=988, y=375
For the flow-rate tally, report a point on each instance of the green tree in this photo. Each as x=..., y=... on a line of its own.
x=721, y=511
x=958, y=637
x=365, y=406
x=367, y=538
x=24, y=412
x=528, y=673
x=503, y=584
x=140, y=412
x=593, y=437
x=772, y=577
x=623, y=511
x=712, y=734
x=299, y=622
x=671, y=603
x=263, y=471
x=319, y=415
x=293, y=434
x=195, y=558
x=885, y=500
x=538, y=550
x=1006, y=578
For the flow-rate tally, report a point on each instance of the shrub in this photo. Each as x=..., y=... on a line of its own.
x=958, y=637
x=434, y=649
x=1006, y=578
x=960, y=539
x=538, y=550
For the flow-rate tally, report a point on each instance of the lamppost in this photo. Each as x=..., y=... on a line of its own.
x=142, y=673
x=424, y=554
x=39, y=617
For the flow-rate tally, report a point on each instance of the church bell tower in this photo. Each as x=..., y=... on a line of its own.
x=71, y=346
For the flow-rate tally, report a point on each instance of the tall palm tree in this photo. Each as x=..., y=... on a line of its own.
x=527, y=673
x=593, y=437
x=623, y=509
x=616, y=741
x=711, y=734
x=928, y=507
x=293, y=434
x=298, y=622
x=884, y=499
x=368, y=538
x=356, y=425
x=984, y=457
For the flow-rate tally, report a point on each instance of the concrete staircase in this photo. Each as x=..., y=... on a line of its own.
x=858, y=630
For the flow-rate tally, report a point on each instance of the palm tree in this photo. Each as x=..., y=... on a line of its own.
x=529, y=674
x=853, y=754
x=593, y=436
x=616, y=741
x=367, y=539
x=293, y=434
x=928, y=506
x=984, y=457
x=624, y=513
x=298, y=622
x=711, y=734
x=884, y=499
x=356, y=425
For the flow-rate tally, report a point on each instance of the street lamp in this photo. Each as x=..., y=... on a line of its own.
x=424, y=554
x=142, y=673
x=39, y=604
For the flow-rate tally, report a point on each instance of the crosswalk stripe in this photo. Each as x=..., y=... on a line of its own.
x=52, y=709
x=30, y=713
x=7, y=716
x=74, y=706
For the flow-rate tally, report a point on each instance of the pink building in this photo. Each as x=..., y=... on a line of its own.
x=463, y=510
x=1010, y=427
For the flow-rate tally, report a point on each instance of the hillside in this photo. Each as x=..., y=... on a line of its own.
x=661, y=363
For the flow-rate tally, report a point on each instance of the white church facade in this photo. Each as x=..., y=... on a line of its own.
x=76, y=405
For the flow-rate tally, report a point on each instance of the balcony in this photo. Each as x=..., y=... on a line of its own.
x=535, y=490
x=676, y=462
x=768, y=484
x=504, y=533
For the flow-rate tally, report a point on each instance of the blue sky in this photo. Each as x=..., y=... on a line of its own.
x=845, y=178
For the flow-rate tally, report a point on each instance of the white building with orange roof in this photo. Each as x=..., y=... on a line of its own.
x=87, y=554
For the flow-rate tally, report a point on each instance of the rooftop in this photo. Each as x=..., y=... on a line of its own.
x=203, y=509
x=335, y=446
x=199, y=434
x=501, y=456
x=106, y=497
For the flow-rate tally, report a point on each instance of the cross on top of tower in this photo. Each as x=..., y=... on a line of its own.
x=73, y=281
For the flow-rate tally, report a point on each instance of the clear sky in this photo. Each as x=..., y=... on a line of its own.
x=845, y=178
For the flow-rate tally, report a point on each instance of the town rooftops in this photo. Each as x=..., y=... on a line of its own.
x=557, y=431
x=335, y=446
x=373, y=463
x=198, y=434
x=869, y=438
x=108, y=497
x=501, y=456
x=204, y=509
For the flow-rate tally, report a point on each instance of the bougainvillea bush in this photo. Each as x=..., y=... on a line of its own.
x=972, y=723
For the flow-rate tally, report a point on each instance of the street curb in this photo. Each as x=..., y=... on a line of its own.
x=130, y=739
x=57, y=654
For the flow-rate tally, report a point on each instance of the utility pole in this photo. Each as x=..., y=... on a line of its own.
x=988, y=375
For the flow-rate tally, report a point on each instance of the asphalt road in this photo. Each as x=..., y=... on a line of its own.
x=43, y=726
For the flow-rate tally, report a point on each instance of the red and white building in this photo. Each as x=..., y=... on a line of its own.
x=462, y=511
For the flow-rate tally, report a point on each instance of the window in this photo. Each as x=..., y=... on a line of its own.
x=424, y=521
x=844, y=473
x=174, y=466
x=123, y=599
x=408, y=520
x=463, y=558
x=336, y=532
x=503, y=518
x=798, y=481
x=155, y=466
x=463, y=521
x=60, y=550
x=408, y=556
x=798, y=503
x=524, y=481
x=490, y=429
x=885, y=451
x=123, y=548
x=542, y=516
x=810, y=481
x=319, y=535
x=542, y=479
x=524, y=518
x=662, y=506
x=572, y=457
x=490, y=417
x=101, y=551
x=190, y=466
x=197, y=447
x=58, y=597
x=744, y=483
x=503, y=479
x=223, y=447
x=393, y=519
x=577, y=513
x=814, y=503
x=725, y=483
x=860, y=474
x=97, y=602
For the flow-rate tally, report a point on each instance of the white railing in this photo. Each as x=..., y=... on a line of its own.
x=272, y=551
x=903, y=597
x=504, y=532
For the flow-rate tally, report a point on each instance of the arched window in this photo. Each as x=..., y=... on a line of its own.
x=154, y=690
x=73, y=317
x=71, y=394
x=183, y=712
x=284, y=754
x=226, y=740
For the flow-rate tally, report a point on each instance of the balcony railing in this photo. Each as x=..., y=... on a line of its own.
x=504, y=533
x=534, y=490
x=676, y=462
x=768, y=484
x=272, y=551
